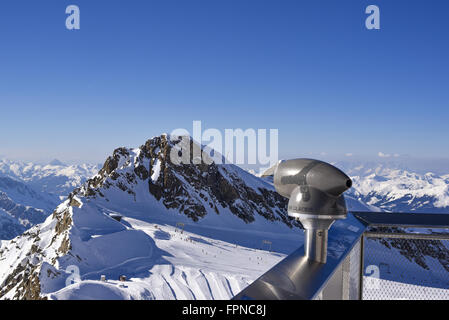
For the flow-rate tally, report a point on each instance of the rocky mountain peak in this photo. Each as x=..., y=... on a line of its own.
x=192, y=189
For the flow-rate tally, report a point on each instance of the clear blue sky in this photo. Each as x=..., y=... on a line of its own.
x=140, y=68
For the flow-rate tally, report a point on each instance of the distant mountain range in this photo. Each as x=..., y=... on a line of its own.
x=397, y=189
x=30, y=192
x=55, y=178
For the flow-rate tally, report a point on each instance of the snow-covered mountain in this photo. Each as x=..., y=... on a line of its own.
x=21, y=207
x=127, y=220
x=21, y=193
x=54, y=178
x=29, y=193
x=10, y=227
x=396, y=189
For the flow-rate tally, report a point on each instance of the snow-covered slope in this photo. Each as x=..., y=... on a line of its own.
x=220, y=207
x=176, y=266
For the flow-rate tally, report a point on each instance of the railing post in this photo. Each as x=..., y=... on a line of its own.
x=362, y=267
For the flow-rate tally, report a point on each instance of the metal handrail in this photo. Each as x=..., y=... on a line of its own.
x=404, y=220
x=412, y=236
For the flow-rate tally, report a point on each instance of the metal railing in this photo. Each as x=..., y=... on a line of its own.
x=370, y=256
x=408, y=266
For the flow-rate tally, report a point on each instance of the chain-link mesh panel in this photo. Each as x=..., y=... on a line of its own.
x=405, y=266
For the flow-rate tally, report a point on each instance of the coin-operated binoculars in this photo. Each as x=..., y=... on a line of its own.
x=315, y=192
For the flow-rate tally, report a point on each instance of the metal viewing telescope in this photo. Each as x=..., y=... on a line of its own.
x=315, y=192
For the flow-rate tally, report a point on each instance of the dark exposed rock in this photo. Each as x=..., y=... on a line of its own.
x=64, y=221
x=141, y=172
x=74, y=203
